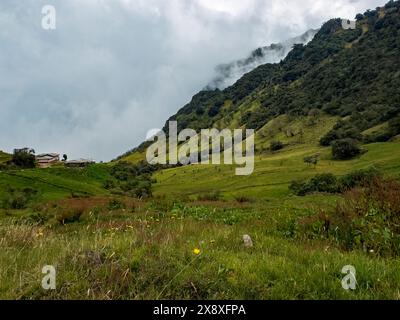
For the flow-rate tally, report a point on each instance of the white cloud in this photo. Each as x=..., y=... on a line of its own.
x=112, y=70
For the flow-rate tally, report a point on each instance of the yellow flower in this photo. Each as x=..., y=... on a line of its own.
x=196, y=251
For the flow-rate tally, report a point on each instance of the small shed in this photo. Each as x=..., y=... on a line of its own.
x=79, y=163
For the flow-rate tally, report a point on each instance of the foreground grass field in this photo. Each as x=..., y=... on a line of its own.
x=146, y=252
x=181, y=245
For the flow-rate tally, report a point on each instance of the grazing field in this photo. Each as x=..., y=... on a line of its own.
x=273, y=172
x=56, y=183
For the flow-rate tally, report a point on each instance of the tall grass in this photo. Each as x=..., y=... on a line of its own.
x=367, y=219
x=148, y=254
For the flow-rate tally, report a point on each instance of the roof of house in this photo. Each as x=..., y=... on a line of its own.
x=77, y=161
x=49, y=155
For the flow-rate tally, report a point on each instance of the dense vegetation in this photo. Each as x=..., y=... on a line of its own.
x=329, y=183
x=23, y=159
x=368, y=219
x=131, y=179
x=345, y=149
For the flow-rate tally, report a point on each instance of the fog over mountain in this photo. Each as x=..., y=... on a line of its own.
x=228, y=74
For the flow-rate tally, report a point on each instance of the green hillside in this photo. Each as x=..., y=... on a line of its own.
x=55, y=183
x=4, y=157
x=350, y=74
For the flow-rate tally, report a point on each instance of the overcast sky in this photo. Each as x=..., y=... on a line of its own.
x=113, y=69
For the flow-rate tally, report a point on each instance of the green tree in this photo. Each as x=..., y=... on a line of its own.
x=24, y=158
x=345, y=149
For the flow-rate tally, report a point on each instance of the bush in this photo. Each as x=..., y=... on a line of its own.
x=299, y=188
x=115, y=204
x=18, y=198
x=345, y=149
x=342, y=130
x=276, y=145
x=328, y=183
x=211, y=196
x=368, y=219
x=70, y=216
x=24, y=159
x=359, y=178
x=242, y=199
x=312, y=160
x=325, y=182
x=133, y=180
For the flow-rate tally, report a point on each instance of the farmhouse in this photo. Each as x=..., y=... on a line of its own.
x=45, y=160
x=80, y=163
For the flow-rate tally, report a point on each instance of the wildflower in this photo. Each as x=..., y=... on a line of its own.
x=196, y=251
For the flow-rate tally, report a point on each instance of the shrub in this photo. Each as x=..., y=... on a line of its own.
x=368, y=219
x=242, y=199
x=133, y=180
x=276, y=145
x=327, y=182
x=312, y=160
x=343, y=130
x=324, y=182
x=345, y=149
x=115, y=204
x=300, y=188
x=109, y=184
x=359, y=178
x=18, y=198
x=70, y=215
x=24, y=158
x=211, y=196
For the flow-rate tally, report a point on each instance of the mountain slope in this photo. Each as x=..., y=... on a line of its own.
x=350, y=74
x=228, y=74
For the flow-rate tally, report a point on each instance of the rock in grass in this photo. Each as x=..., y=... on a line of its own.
x=248, y=243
